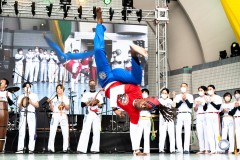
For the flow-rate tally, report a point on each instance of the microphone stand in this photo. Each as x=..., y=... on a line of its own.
x=20, y=76
x=25, y=139
x=44, y=129
x=15, y=120
x=71, y=112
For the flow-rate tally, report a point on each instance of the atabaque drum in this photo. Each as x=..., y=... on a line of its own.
x=3, y=123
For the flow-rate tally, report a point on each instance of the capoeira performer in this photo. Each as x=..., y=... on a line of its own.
x=93, y=100
x=59, y=105
x=121, y=86
x=201, y=121
x=227, y=121
x=184, y=103
x=212, y=109
x=235, y=112
x=27, y=103
x=144, y=125
x=165, y=126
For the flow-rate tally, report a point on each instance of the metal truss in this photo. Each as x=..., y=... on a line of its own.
x=86, y=14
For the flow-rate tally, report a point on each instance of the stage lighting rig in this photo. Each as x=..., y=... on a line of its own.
x=80, y=12
x=49, y=9
x=1, y=4
x=124, y=14
x=33, y=8
x=16, y=7
x=111, y=13
x=65, y=10
x=127, y=3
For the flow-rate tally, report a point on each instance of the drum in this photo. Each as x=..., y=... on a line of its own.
x=3, y=123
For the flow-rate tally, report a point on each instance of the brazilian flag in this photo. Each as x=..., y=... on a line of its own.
x=232, y=10
x=61, y=31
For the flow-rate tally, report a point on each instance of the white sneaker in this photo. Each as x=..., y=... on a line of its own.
x=19, y=152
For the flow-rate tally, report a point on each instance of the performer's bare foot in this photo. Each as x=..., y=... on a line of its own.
x=135, y=49
x=200, y=152
x=99, y=15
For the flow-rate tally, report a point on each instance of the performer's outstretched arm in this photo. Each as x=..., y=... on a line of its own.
x=64, y=57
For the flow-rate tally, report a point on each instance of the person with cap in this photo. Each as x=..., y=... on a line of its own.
x=18, y=70
x=184, y=104
x=27, y=103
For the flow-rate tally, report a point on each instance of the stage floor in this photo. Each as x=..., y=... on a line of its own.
x=113, y=156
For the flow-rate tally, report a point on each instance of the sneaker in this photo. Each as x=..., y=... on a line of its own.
x=19, y=152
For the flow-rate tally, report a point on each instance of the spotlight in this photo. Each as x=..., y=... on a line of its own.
x=111, y=13
x=65, y=10
x=16, y=7
x=80, y=12
x=1, y=4
x=65, y=2
x=33, y=8
x=124, y=14
x=235, y=49
x=49, y=9
x=223, y=54
x=94, y=12
x=139, y=15
x=127, y=3
x=107, y=2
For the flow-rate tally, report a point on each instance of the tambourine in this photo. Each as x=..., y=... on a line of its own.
x=224, y=144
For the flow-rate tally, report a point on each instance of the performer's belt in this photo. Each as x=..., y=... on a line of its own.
x=184, y=112
x=213, y=112
x=236, y=116
x=145, y=117
x=201, y=113
x=227, y=116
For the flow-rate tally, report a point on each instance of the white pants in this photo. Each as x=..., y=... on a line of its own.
x=202, y=132
x=63, y=120
x=90, y=120
x=31, y=121
x=183, y=119
x=35, y=70
x=228, y=130
x=144, y=125
x=134, y=132
x=51, y=72
x=165, y=126
x=237, y=131
x=29, y=71
x=43, y=71
x=18, y=73
x=213, y=130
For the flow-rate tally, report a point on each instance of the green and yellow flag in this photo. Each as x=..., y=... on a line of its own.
x=232, y=10
x=61, y=31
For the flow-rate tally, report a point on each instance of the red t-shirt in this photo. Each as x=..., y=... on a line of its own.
x=125, y=101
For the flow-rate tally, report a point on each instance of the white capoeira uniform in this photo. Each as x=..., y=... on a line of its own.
x=59, y=117
x=201, y=125
x=3, y=97
x=29, y=67
x=228, y=125
x=213, y=122
x=165, y=126
x=117, y=62
x=52, y=68
x=91, y=120
x=44, y=57
x=36, y=66
x=18, y=68
x=144, y=125
x=236, y=114
x=183, y=119
x=31, y=121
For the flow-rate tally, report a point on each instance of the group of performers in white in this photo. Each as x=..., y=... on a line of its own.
x=122, y=87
